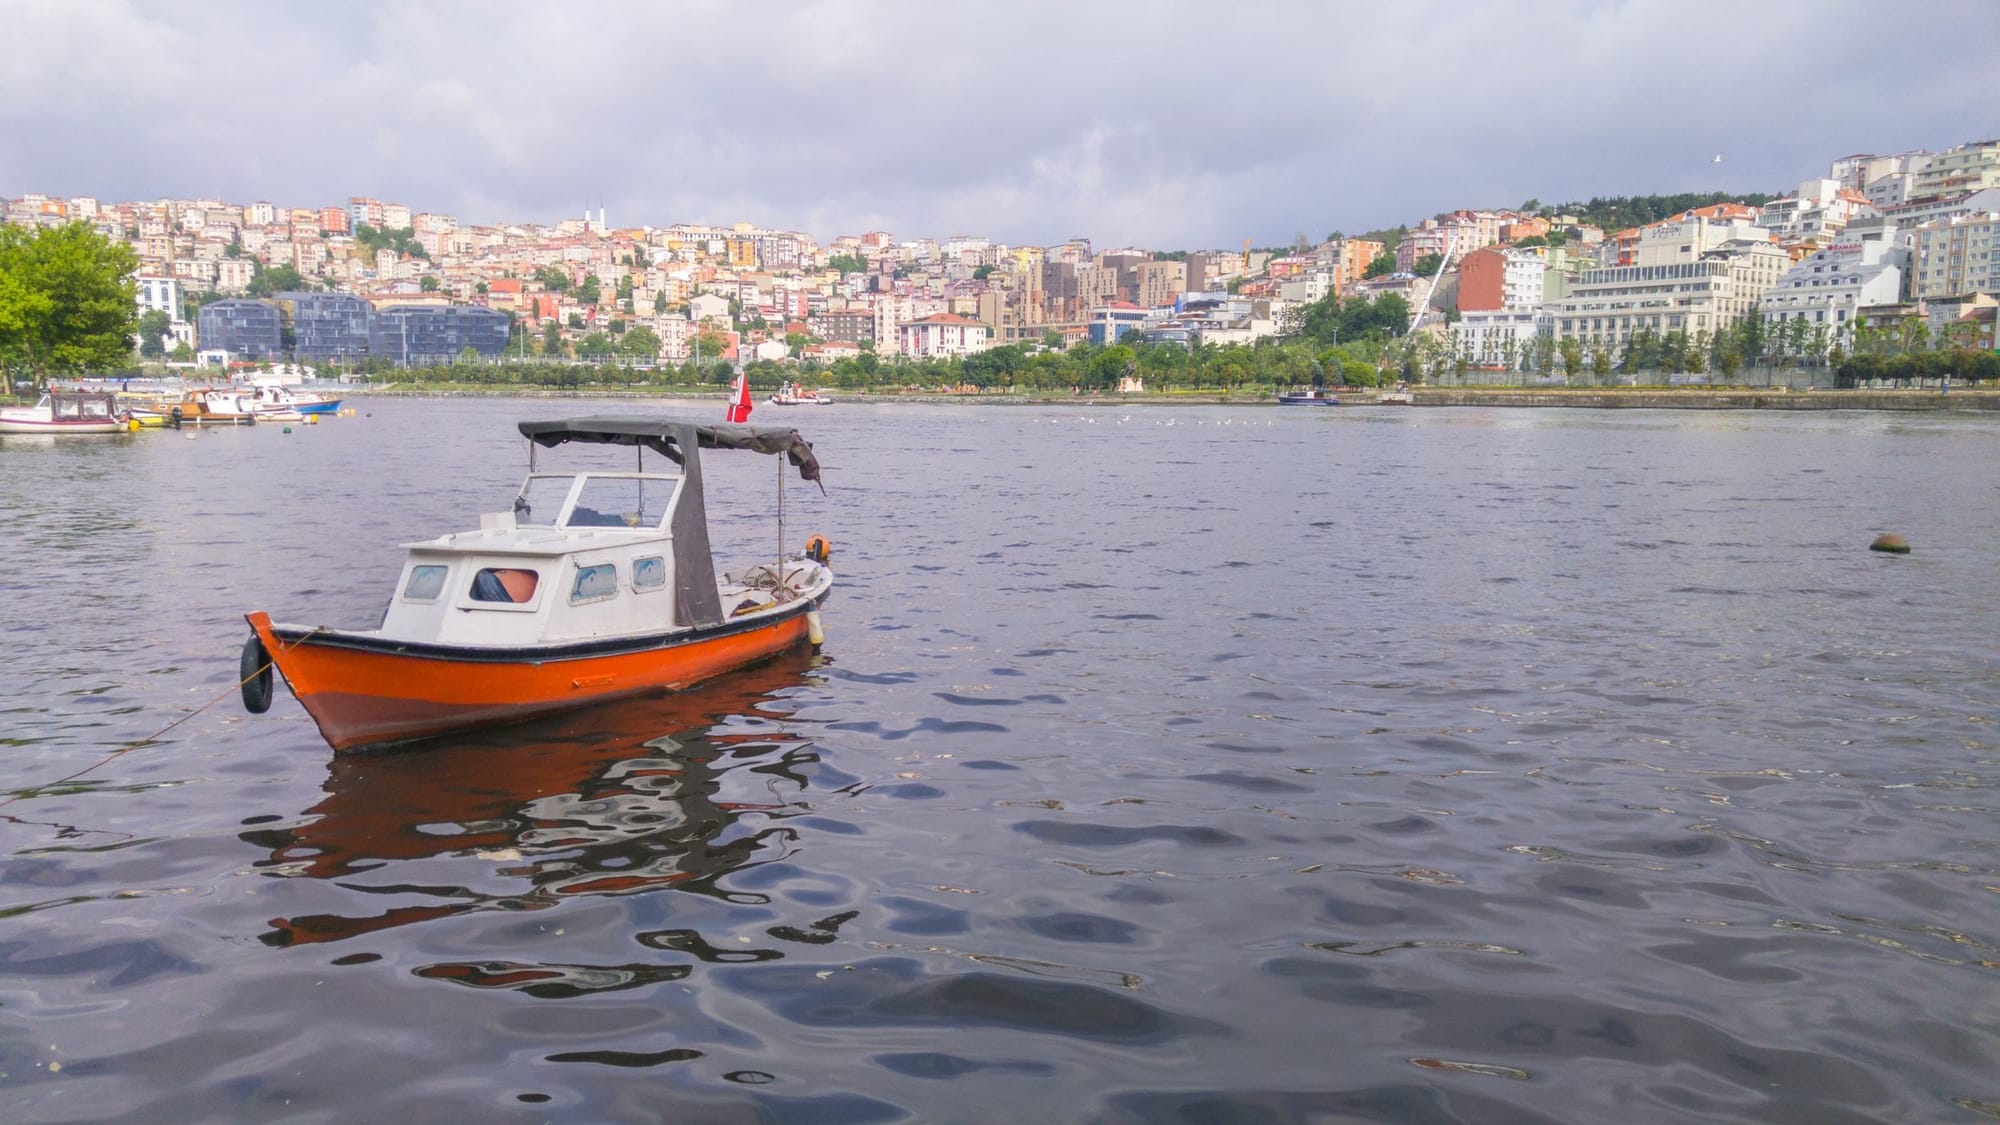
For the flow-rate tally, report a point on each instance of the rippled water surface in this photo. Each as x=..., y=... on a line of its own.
x=1219, y=764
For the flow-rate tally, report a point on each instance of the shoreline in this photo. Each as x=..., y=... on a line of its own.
x=1966, y=400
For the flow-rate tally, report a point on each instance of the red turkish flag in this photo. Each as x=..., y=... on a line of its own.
x=739, y=403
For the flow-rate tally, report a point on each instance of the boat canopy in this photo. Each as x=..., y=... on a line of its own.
x=666, y=436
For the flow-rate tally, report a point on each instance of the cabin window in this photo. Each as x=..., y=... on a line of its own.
x=649, y=573
x=594, y=582
x=426, y=583
x=505, y=584
x=541, y=500
x=621, y=502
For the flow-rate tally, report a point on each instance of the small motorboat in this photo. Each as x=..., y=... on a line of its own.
x=1308, y=396
x=67, y=412
x=274, y=402
x=792, y=394
x=595, y=586
x=201, y=407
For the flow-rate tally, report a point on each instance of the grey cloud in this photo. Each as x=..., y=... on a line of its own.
x=1169, y=124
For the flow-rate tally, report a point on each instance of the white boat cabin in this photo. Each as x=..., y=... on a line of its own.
x=582, y=555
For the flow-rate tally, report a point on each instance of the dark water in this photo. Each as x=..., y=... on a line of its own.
x=1162, y=764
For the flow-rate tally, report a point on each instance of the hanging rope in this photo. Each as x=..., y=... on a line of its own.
x=36, y=790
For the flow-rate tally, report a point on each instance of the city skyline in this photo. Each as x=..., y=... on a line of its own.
x=1161, y=125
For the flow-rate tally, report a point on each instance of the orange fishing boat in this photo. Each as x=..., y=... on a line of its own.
x=595, y=586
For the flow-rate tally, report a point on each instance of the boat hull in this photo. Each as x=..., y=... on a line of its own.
x=34, y=426
x=364, y=691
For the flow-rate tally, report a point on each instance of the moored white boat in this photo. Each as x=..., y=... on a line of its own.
x=595, y=586
x=67, y=412
x=275, y=403
x=1309, y=396
x=792, y=394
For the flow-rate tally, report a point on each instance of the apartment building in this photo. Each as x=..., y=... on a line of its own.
x=1957, y=256
x=1495, y=277
x=1959, y=170
x=1161, y=282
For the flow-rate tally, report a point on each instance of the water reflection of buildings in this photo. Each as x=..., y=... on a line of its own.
x=618, y=799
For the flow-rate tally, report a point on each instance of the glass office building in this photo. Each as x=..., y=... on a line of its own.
x=417, y=335
x=328, y=328
x=244, y=328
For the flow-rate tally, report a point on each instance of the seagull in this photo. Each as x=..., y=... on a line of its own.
x=1717, y=160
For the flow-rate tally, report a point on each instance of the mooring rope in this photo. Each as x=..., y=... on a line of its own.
x=36, y=790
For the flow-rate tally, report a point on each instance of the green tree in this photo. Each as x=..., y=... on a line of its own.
x=641, y=343
x=1383, y=265
x=428, y=283
x=660, y=303
x=1052, y=339
x=848, y=263
x=182, y=353
x=67, y=300
x=152, y=325
x=1750, y=335
x=265, y=281
x=1428, y=265
x=555, y=279
x=1571, y=350
x=552, y=338
x=588, y=292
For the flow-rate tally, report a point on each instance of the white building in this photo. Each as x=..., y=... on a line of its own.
x=159, y=294
x=1862, y=169
x=942, y=334
x=1499, y=337
x=1863, y=268
x=1691, y=293
x=1817, y=210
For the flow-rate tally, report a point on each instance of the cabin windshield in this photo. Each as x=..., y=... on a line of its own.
x=595, y=500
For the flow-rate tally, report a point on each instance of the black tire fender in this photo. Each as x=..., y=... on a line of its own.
x=255, y=669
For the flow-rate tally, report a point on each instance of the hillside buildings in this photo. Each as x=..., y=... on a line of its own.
x=1864, y=268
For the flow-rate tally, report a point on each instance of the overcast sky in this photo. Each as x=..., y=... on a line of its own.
x=1160, y=124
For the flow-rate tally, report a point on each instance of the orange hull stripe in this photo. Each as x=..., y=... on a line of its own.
x=359, y=697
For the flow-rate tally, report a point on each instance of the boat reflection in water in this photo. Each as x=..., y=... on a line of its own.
x=617, y=799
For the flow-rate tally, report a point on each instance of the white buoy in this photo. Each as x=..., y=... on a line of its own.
x=814, y=633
